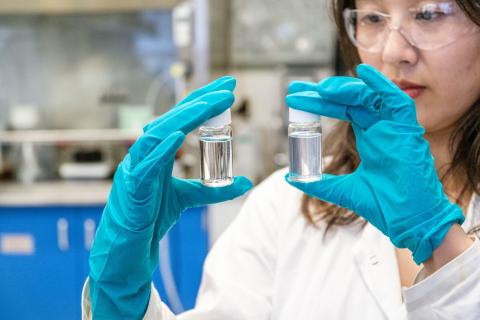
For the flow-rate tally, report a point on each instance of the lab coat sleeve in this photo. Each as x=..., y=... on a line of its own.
x=452, y=292
x=156, y=310
x=237, y=281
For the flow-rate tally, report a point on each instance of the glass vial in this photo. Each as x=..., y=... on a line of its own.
x=305, y=146
x=216, y=151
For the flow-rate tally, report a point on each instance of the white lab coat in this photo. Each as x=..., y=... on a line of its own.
x=271, y=264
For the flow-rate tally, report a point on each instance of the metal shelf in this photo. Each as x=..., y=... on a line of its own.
x=68, y=136
x=59, y=192
x=82, y=6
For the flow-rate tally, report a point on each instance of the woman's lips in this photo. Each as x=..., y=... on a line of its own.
x=412, y=89
x=413, y=92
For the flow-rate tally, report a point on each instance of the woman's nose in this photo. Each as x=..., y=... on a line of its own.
x=398, y=50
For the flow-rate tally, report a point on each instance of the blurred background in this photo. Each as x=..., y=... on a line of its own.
x=80, y=78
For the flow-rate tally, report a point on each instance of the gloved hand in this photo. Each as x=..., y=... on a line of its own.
x=395, y=187
x=145, y=201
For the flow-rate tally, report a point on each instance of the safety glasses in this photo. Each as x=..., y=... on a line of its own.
x=430, y=26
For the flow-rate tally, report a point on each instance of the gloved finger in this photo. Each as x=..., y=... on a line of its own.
x=224, y=83
x=163, y=216
x=152, y=138
x=400, y=105
x=150, y=168
x=172, y=113
x=349, y=91
x=311, y=101
x=181, y=119
x=194, y=194
x=188, y=118
x=147, y=170
x=298, y=86
x=331, y=188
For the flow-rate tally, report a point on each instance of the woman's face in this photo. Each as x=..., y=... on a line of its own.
x=444, y=82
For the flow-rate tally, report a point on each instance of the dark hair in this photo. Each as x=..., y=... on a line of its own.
x=464, y=143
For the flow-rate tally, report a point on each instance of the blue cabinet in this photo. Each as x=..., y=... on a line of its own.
x=44, y=260
x=38, y=264
x=185, y=249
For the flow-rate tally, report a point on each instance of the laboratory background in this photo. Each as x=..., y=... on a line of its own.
x=79, y=80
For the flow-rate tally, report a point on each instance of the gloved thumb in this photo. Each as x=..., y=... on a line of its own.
x=396, y=103
x=331, y=188
x=195, y=194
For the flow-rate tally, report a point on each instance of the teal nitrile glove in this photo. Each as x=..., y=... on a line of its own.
x=395, y=186
x=145, y=201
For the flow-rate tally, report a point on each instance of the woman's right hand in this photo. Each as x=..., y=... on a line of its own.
x=395, y=187
x=146, y=201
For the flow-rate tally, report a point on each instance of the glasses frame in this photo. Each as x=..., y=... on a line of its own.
x=347, y=17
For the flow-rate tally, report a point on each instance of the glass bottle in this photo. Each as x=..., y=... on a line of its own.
x=216, y=156
x=305, y=146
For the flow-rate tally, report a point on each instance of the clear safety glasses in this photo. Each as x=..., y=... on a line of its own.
x=430, y=26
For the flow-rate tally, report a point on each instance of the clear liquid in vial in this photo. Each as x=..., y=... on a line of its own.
x=216, y=160
x=305, y=155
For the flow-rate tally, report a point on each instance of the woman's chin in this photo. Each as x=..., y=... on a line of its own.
x=427, y=122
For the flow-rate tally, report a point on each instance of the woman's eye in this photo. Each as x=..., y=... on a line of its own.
x=429, y=15
x=372, y=18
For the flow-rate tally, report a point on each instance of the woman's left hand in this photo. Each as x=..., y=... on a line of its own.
x=395, y=187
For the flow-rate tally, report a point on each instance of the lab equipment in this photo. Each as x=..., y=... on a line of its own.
x=305, y=146
x=215, y=138
x=28, y=167
x=395, y=187
x=145, y=201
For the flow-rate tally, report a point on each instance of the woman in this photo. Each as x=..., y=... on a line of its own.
x=340, y=259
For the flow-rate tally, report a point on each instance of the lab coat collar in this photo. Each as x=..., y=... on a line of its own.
x=472, y=219
x=375, y=257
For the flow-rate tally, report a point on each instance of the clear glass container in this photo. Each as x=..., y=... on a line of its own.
x=305, y=151
x=216, y=155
